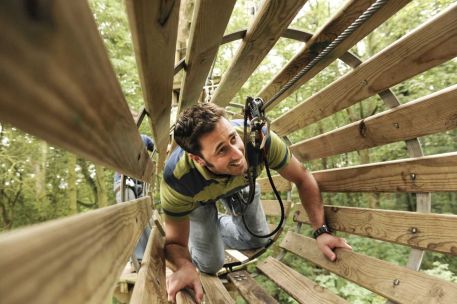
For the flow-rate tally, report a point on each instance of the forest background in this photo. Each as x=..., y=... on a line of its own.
x=39, y=182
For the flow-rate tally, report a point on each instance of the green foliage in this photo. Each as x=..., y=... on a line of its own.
x=35, y=177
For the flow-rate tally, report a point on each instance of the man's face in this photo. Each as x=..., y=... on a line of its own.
x=223, y=150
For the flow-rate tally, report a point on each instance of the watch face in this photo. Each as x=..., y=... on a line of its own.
x=321, y=230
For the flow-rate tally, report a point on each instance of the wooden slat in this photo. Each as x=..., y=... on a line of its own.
x=73, y=260
x=154, y=27
x=281, y=184
x=58, y=84
x=184, y=297
x=423, y=174
x=434, y=232
x=270, y=22
x=215, y=291
x=394, y=282
x=299, y=287
x=150, y=285
x=208, y=25
x=428, y=115
x=430, y=45
x=249, y=289
x=272, y=208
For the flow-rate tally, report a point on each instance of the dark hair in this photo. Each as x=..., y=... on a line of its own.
x=195, y=122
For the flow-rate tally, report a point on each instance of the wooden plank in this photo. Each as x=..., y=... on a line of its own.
x=269, y=23
x=208, y=26
x=422, y=174
x=72, y=260
x=394, y=282
x=322, y=38
x=185, y=297
x=281, y=184
x=57, y=83
x=431, y=44
x=428, y=115
x=434, y=232
x=154, y=27
x=272, y=208
x=215, y=291
x=299, y=287
x=249, y=289
x=150, y=286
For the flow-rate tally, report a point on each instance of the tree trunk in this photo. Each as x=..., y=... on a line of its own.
x=71, y=180
x=40, y=176
x=102, y=197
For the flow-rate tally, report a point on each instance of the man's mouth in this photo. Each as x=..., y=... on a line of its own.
x=236, y=164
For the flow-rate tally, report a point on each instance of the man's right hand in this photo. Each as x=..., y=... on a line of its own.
x=185, y=277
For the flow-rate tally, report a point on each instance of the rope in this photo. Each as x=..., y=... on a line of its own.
x=354, y=26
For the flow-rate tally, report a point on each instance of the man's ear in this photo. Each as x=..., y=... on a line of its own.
x=197, y=159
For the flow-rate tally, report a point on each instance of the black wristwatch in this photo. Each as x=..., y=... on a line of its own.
x=321, y=230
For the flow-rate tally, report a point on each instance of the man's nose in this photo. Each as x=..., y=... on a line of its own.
x=237, y=152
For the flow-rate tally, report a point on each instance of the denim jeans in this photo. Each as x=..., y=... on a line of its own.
x=211, y=233
x=143, y=241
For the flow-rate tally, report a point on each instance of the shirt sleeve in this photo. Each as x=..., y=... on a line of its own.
x=175, y=206
x=278, y=152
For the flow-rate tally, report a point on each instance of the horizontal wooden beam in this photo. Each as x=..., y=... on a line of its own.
x=150, y=286
x=249, y=289
x=327, y=34
x=303, y=290
x=57, y=83
x=434, y=173
x=154, y=27
x=396, y=283
x=433, y=232
x=272, y=208
x=431, y=44
x=281, y=184
x=72, y=260
x=208, y=26
x=428, y=115
x=270, y=22
x=215, y=291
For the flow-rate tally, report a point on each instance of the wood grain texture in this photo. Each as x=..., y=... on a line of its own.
x=154, y=27
x=281, y=184
x=429, y=45
x=58, y=84
x=422, y=174
x=394, y=282
x=428, y=115
x=215, y=292
x=303, y=290
x=184, y=297
x=270, y=22
x=150, y=286
x=72, y=260
x=433, y=232
x=208, y=26
x=249, y=289
x=272, y=208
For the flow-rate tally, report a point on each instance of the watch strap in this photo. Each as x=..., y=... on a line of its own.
x=321, y=230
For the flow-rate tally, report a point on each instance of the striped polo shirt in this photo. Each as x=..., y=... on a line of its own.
x=186, y=184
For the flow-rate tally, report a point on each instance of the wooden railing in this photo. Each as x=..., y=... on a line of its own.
x=56, y=82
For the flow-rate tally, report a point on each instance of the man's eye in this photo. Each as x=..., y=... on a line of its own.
x=233, y=140
x=222, y=151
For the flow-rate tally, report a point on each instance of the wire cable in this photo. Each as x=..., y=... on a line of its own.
x=348, y=31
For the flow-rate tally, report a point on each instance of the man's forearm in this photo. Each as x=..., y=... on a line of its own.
x=178, y=255
x=311, y=199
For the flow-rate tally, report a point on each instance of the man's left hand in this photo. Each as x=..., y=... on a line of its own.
x=327, y=243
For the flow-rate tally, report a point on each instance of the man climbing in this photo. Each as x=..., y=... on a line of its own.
x=209, y=164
